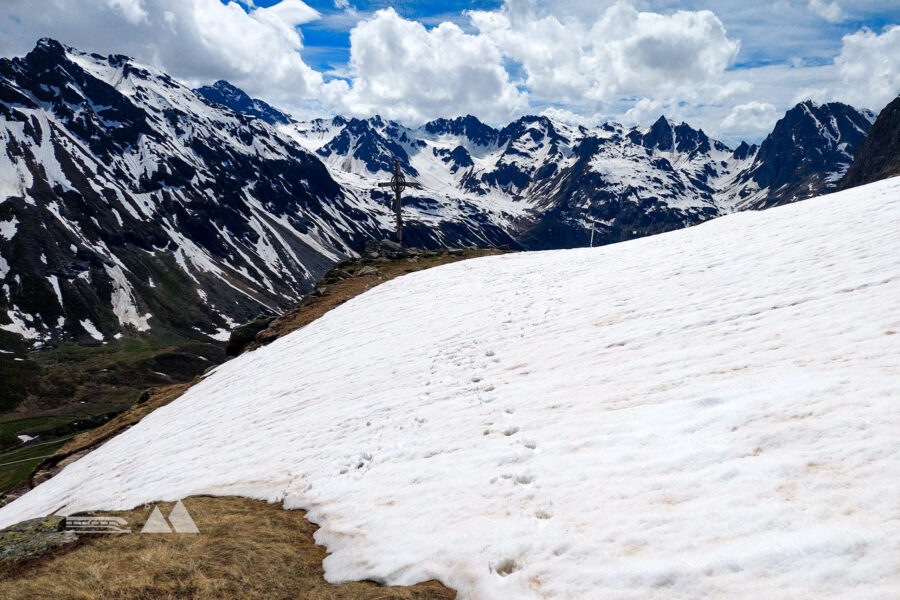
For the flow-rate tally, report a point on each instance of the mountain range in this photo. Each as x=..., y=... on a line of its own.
x=130, y=203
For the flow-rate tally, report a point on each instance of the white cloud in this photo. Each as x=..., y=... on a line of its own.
x=565, y=115
x=643, y=112
x=628, y=60
x=869, y=67
x=752, y=116
x=133, y=10
x=292, y=12
x=830, y=11
x=194, y=40
x=620, y=52
x=404, y=71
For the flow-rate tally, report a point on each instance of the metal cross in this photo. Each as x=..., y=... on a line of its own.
x=398, y=183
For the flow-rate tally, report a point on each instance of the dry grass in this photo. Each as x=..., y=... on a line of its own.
x=245, y=549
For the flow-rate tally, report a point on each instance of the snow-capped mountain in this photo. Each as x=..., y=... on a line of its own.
x=541, y=180
x=697, y=414
x=806, y=154
x=546, y=182
x=222, y=92
x=128, y=202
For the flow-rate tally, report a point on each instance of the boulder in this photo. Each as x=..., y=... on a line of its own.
x=390, y=246
x=371, y=247
x=243, y=335
x=367, y=270
x=34, y=537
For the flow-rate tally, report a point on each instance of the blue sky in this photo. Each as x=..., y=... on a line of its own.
x=766, y=39
x=732, y=67
x=327, y=41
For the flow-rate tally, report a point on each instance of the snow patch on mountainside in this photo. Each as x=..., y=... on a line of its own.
x=710, y=412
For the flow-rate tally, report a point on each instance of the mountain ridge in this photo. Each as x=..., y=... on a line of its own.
x=131, y=202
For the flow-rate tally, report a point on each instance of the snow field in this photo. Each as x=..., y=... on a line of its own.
x=712, y=412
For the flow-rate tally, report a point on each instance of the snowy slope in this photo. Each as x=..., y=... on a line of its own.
x=710, y=412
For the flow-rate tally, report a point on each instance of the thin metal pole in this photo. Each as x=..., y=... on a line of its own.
x=399, y=217
x=592, y=234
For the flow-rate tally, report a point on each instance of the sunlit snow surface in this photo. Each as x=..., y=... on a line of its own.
x=712, y=412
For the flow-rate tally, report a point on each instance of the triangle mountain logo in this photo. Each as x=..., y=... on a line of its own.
x=181, y=521
x=156, y=523
x=179, y=518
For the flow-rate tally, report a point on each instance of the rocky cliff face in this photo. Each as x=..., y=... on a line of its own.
x=806, y=155
x=128, y=203
x=879, y=157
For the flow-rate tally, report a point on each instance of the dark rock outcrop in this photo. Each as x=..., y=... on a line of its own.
x=244, y=335
x=879, y=157
x=808, y=152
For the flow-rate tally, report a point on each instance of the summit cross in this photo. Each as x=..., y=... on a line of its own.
x=398, y=183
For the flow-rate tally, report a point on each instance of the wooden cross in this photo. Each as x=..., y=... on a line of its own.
x=398, y=183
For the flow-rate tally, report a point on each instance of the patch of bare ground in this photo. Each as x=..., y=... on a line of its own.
x=246, y=549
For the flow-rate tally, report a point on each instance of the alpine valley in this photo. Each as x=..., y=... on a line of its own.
x=133, y=206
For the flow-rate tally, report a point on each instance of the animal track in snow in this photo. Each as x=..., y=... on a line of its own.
x=505, y=567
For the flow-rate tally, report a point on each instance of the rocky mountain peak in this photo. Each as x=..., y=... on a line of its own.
x=808, y=151
x=226, y=94
x=744, y=151
x=468, y=126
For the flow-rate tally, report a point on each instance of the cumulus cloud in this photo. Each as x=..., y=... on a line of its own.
x=869, y=67
x=132, y=10
x=626, y=60
x=565, y=115
x=404, y=71
x=644, y=111
x=830, y=11
x=621, y=52
x=752, y=116
x=194, y=40
x=292, y=12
